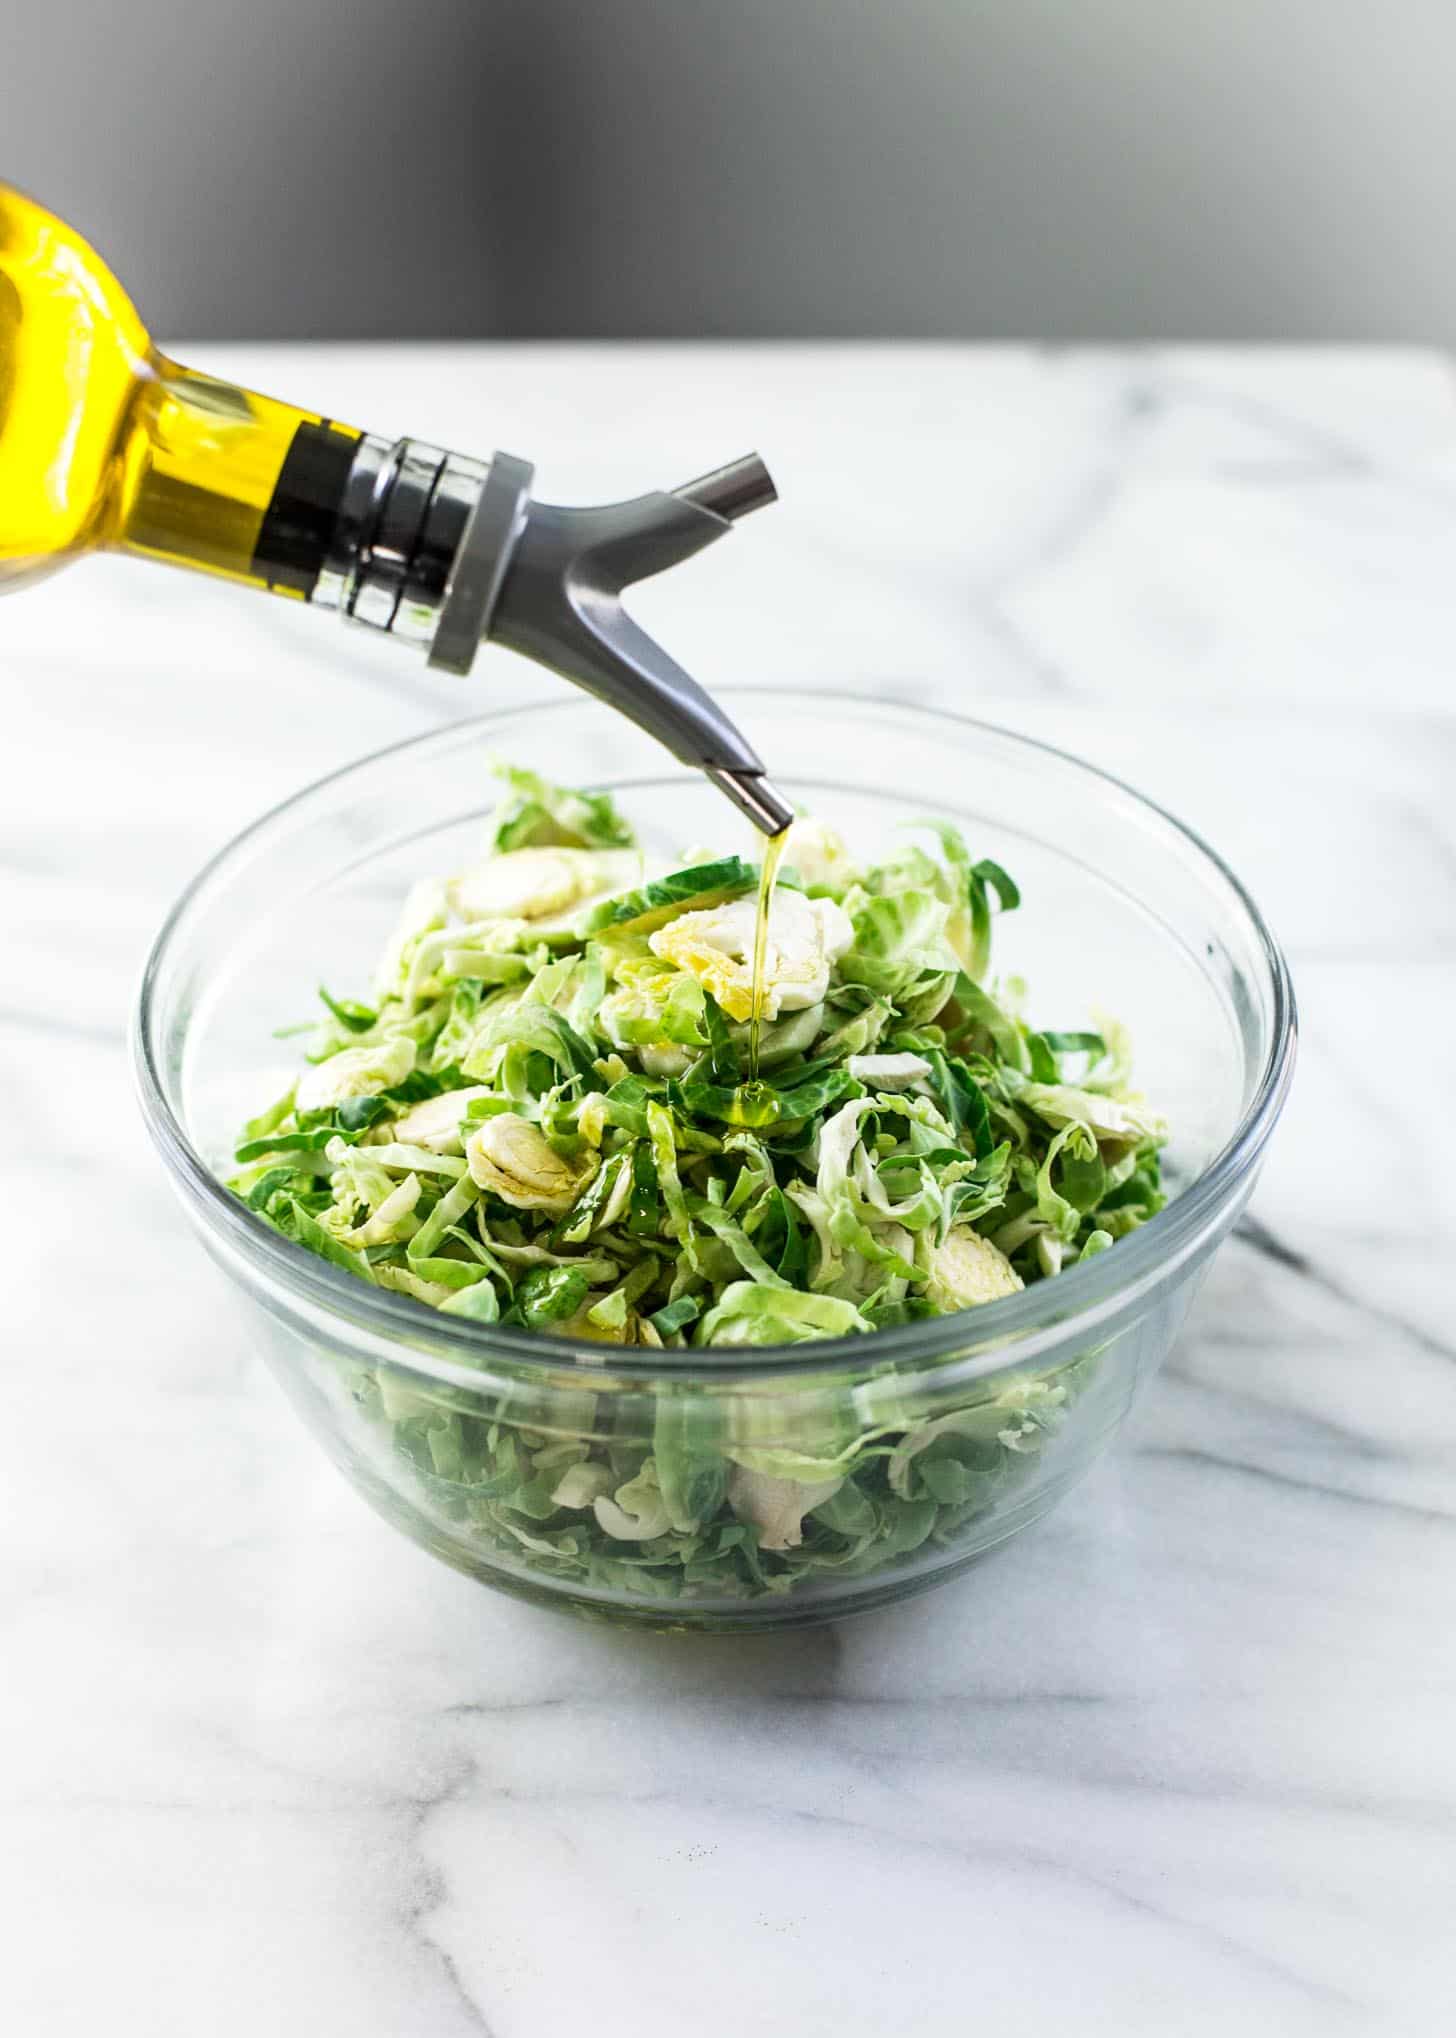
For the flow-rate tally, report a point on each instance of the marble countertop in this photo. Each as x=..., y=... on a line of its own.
x=1181, y=1759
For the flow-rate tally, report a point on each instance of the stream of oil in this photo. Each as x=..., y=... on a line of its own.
x=754, y=1103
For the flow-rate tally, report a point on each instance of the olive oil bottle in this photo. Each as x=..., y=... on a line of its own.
x=105, y=442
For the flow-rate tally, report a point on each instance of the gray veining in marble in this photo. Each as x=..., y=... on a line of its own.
x=1181, y=1759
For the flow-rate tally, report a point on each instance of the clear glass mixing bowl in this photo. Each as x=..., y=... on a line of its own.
x=440, y=1422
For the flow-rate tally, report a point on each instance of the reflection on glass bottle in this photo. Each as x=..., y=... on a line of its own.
x=106, y=442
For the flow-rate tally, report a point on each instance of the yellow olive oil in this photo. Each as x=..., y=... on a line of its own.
x=773, y=851
x=754, y=1103
x=105, y=442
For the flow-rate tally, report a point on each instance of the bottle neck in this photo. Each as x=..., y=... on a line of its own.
x=226, y=481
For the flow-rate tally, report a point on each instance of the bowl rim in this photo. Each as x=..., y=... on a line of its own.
x=1076, y=1301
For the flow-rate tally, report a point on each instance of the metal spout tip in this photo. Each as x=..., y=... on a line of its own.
x=752, y=794
x=732, y=491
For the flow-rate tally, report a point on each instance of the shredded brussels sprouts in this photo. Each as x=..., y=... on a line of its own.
x=541, y=1119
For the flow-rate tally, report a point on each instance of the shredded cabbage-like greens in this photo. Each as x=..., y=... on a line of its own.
x=540, y=1117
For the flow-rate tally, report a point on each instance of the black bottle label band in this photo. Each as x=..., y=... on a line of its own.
x=293, y=540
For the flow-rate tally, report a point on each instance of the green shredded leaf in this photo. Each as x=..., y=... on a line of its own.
x=653, y=904
x=353, y=1017
x=550, y=1293
x=535, y=814
x=678, y=1315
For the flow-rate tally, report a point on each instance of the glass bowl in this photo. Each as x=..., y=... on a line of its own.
x=955, y=1432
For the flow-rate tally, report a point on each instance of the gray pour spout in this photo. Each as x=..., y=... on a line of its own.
x=452, y=553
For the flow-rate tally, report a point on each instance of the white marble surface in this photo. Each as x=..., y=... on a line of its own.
x=1182, y=1759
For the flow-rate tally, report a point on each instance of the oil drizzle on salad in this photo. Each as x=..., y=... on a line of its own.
x=754, y=1105
x=773, y=851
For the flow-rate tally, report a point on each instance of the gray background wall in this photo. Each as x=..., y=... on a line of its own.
x=991, y=168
